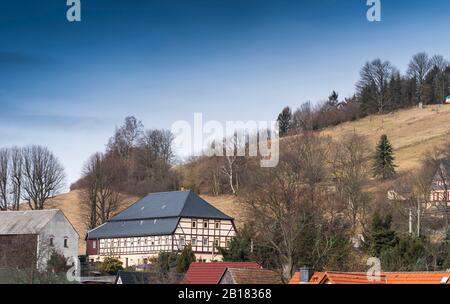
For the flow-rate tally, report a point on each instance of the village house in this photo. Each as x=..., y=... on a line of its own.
x=162, y=222
x=440, y=187
x=28, y=238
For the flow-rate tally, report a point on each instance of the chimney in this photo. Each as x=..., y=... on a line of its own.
x=305, y=274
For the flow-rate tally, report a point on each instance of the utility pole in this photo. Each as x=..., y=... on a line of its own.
x=410, y=222
x=418, y=217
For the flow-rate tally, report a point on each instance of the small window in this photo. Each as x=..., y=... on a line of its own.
x=217, y=225
x=194, y=242
x=94, y=244
x=194, y=224
x=205, y=225
x=216, y=243
x=205, y=241
x=182, y=241
x=66, y=242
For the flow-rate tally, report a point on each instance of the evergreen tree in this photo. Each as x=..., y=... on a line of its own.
x=285, y=121
x=384, y=166
x=185, y=259
x=333, y=99
x=380, y=236
x=239, y=249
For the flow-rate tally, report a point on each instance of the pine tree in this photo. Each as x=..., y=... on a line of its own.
x=384, y=166
x=285, y=121
x=380, y=236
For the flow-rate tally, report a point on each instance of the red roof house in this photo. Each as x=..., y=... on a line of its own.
x=211, y=273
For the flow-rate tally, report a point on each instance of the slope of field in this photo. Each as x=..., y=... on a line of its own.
x=412, y=132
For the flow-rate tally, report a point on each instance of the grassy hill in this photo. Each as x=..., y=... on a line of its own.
x=412, y=132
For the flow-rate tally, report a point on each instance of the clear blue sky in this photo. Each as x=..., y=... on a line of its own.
x=67, y=85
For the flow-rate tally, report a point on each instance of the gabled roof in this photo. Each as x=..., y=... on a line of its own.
x=25, y=222
x=253, y=276
x=170, y=204
x=211, y=273
x=157, y=214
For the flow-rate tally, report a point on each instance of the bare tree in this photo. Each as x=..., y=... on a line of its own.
x=351, y=174
x=441, y=65
x=418, y=69
x=126, y=137
x=16, y=176
x=376, y=74
x=43, y=176
x=4, y=179
x=100, y=195
x=276, y=202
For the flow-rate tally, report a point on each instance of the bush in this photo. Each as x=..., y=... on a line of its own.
x=111, y=265
x=57, y=263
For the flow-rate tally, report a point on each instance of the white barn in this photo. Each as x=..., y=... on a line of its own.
x=28, y=238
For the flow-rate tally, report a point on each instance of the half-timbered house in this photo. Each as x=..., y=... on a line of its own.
x=162, y=222
x=440, y=187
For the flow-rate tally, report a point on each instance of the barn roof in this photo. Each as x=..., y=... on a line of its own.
x=147, y=227
x=156, y=214
x=170, y=204
x=25, y=222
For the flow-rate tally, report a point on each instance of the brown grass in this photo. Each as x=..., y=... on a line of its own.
x=412, y=132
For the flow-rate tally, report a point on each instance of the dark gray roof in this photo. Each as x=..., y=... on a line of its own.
x=113, y=229
x=133, y=277
x=157, y=214
x=170, y=204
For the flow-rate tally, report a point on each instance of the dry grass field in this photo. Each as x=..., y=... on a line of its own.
x=412, y=132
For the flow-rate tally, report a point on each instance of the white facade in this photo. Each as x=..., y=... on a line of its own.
x=58, y=235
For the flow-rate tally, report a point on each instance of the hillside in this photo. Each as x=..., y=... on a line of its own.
x=412, y=132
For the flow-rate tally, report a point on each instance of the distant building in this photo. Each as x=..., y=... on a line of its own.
x=28, y=238
x=162, y=222
x=440, y=187
x=250, y=276
x=212, y=273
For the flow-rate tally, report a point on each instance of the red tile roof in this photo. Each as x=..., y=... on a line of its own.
x=253, y=276
x=386, y=278
x=210, y=273
x=418, y=277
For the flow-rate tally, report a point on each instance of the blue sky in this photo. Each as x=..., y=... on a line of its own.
x=67, y=85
